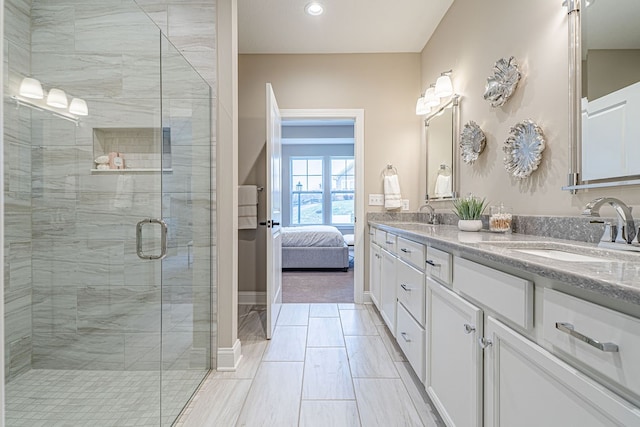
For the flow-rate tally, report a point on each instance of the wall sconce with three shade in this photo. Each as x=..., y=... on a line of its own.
x=431, y=99
x=31, y=94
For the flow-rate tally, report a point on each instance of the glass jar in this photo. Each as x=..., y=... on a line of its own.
x=500, y=218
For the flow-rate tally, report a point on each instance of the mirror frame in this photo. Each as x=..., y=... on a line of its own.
x=575, y=182
x=454, y=103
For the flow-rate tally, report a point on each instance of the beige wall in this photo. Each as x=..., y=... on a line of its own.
x=608, y=70
x=386, y=86
x=471, y=37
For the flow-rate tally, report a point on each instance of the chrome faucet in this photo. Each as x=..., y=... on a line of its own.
x=626, y=229
x=432, y=213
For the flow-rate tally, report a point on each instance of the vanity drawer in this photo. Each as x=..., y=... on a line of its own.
x=438, y=265
x=411, y=252
x=564, y=315
x=373, y=235
x=410, y=290
x=410, y=337
x=510, y=297
x=387, y=240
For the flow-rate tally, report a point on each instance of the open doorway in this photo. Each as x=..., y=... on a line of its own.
x=321, y=156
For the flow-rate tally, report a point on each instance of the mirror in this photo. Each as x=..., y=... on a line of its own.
x=442, y=136
x=605, y=93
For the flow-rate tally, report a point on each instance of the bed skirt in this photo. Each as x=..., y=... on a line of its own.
x=316, y=258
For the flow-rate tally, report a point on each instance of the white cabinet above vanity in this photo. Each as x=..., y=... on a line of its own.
x=511, y=338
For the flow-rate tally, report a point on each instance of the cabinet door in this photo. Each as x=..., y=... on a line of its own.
x=388, y=290
x=454, y=358
x=375, y=260
x=526, y=385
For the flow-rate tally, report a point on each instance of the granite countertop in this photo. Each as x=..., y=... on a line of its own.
x=617, y=276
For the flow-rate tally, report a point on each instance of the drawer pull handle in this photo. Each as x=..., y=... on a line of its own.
x=389, y=243
x=484, y=342
x=468, y=328
x=404, y=336
x=569, y=329
x=405, y=250
x=433, y=264
x=404, y=287
x=371, y=234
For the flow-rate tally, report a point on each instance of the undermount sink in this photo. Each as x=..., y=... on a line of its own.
x=561, y=255
x=555, y=251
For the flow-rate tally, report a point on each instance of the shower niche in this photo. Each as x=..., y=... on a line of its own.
x=124, y=150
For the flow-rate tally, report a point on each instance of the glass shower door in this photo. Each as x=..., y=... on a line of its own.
x=186, y=209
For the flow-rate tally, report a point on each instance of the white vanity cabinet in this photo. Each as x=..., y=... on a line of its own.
x=454, y=357
x=388, y=298
x=526, y=386
x=375, y=262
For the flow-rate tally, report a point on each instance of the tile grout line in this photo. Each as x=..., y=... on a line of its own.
x=355, y=396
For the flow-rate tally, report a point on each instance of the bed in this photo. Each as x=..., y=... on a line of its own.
x=314, y=247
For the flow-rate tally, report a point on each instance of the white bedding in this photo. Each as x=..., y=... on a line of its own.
x=312, y=236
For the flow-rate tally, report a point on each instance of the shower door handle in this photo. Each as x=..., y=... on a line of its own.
x=163, y=238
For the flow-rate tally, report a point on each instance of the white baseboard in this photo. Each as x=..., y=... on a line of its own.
x=252, y=298
x=367, y=298
x=229, y=357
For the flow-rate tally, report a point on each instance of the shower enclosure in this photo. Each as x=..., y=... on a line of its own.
x=108, y=251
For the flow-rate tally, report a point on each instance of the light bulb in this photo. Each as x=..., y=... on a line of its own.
x=31, y=88
x=78, y=107
x=444, y=88
x=314, y=9
x=57, y=98
x=430, y=98
x=421, y=107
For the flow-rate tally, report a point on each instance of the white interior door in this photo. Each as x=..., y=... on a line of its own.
x=274, y=212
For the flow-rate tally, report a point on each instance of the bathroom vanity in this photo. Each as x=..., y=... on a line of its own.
x=509, y=329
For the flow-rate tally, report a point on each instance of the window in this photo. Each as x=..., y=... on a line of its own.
x=306, y=190
x=322, y=190
x=342, y=190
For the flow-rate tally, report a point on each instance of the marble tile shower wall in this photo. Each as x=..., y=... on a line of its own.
x=78, y=296
x=17, y=194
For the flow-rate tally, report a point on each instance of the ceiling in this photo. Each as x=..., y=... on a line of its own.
x=347, y=26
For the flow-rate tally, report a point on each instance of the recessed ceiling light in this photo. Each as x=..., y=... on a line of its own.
x=314, y=9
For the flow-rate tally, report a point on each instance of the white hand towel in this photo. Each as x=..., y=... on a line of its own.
x=124, y=192
x=247, y=195
x=247, y=207
x=392, y=197
x=443, y=186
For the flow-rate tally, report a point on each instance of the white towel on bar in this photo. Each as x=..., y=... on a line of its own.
x=247, y=207
x=443, y=186
x=392, y=197
x=124, y=192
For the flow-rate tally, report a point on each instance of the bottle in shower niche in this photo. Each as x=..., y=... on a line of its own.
x=116, y=160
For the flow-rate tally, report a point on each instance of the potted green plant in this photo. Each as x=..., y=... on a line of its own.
x=468, y=209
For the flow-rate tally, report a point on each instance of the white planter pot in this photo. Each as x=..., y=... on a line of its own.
x=469, y=224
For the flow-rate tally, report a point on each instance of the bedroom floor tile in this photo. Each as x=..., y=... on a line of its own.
x=289, y=382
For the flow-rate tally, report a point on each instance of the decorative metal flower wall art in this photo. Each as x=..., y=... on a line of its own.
x=523, y=149
x=503, y=83
x=472, y=142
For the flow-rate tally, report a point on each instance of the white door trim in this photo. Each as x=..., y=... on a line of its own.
x=358, y=116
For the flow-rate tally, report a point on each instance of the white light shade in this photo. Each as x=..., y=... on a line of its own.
x=430, y=98
x=314, y=9
x=421, y=107
x=78, y=107
x=444, y=87
x=57, y=98
x=31, y=88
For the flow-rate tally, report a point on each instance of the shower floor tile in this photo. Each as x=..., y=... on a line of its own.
x=50, y=397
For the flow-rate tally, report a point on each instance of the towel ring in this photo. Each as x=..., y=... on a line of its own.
x=389, y=170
